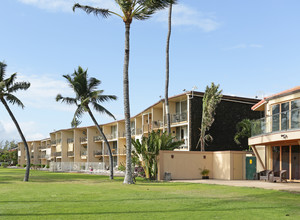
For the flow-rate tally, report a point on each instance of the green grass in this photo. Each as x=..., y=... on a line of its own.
x=81, y=196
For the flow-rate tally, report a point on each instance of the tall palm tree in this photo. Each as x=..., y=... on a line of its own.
x=130, y=9
x=7, y=88
x=86, y=93
x=168, y=67
x=212, y=97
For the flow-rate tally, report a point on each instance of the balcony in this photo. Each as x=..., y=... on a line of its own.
x=111, y=136
x=280, y=127
x=97, y=138
x=98, y=153
x=83, y=153
x=70, y=153
x=58, y=141
x=53, y=142
x=285, y=121
x=177, y=118
x=139, y=131
x=57, y=154
x=42, y=147
x=83, y=140
x=70, y=140
x=157, y=124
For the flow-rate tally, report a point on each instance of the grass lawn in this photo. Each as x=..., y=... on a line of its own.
x=82, y=196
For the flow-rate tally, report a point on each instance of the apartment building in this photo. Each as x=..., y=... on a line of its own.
x=86, y=145
x=275, y=137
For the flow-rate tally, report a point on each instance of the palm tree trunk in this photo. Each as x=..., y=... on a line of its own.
x=128, y=175
x=167, y=73
x=26, y=177
x=111, y=168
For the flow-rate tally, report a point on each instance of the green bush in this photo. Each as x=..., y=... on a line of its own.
x=43, y=165
x=24, y=165
x=121, y=167
x=4, y=165
x=18, y=165
x=47, y=166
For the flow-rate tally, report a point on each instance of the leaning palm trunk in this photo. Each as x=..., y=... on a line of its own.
x=167, y=73
x=128, y=175
x=111, y=168
x=26, y=177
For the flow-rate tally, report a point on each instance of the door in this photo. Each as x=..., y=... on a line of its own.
x=250, y=167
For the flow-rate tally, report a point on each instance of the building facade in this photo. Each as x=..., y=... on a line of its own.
x=276, y=136
x=86, y=145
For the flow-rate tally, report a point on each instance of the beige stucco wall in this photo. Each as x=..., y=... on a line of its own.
x=226, y=165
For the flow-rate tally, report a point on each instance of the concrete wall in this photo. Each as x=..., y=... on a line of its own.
x=228, y=165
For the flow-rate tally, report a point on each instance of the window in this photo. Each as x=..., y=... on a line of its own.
x=295, y=114
x=285, y=107
x=275, y=117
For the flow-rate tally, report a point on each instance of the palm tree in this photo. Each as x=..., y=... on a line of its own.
x=7, y=87
x=86, y=93
x=148, y=150
x=212, y=97
x=131, y=9
x=168, y=68
x=243, y=130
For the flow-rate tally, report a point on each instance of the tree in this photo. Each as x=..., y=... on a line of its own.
x=212, y=97
x=86, y=93
x=243, y=130
x=7, y=88
x=148, y=150
x=131, y=9
x=168, y=67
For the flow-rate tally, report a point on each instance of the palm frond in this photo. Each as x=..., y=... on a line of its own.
x=9, y=81
x=67, y=100
x=77, y=115
x=2, y=70
x=105, y=98
x=93, y=83
x=18, y=86
x=102, y=110
x=13, y=100
x=96, y=11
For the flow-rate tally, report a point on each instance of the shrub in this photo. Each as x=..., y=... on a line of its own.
x=18, y=165
x=24, y=165
x=121, y=167
x=43, y=166
x=4, y=165
x=47, y=166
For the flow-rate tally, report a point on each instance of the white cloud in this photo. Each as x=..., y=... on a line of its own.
x=42, y=92
x=244, y=46
x=29, y=129
x=66, y=5
x=183, y=15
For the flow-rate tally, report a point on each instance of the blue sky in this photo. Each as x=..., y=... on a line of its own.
x=251, y=48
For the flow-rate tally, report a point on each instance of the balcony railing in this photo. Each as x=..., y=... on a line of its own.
x=70, y=154
x=83, y=153
x=179, y=117
x=98, y=138
x=139, y=131
x=58, y=141
x=98, y=152
x=288, y=120
x=158, y=124
x=83, y=139
x=111, y=136
x=70, y=140
x=42, y=147
x=57, y=154
x=53, y=142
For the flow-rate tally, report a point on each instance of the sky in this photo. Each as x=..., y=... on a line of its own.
x=251, y=48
